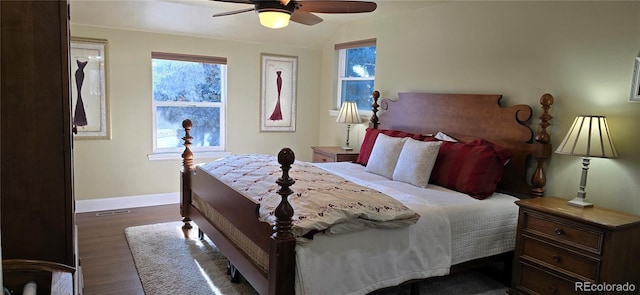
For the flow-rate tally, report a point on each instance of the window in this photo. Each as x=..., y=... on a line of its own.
x=188, y=87
x=356, y=72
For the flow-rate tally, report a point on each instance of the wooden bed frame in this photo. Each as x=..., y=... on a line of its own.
x=463, y=116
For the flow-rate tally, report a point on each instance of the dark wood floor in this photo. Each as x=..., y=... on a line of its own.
x=107, y=264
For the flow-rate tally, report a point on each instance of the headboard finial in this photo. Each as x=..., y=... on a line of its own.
x=543, y=139
x=546, y=101
x=374, y=109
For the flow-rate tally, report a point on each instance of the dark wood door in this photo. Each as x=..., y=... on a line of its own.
x=36, y=193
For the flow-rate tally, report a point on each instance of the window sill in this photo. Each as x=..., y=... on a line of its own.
x=178, y=156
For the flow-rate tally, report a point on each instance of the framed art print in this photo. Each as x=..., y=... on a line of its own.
x=89, y=99
x=278, y=93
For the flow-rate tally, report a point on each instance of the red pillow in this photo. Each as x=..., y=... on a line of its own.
x=468, y=168
x=370, y=139
x=503, y=153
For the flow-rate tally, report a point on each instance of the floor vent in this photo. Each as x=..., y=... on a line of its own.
x=111, y=213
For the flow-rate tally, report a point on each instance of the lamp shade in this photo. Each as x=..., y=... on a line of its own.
x=274, y=19
x=588, y=137
x=349, y=113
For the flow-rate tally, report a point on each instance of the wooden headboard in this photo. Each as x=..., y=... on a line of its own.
x=471, y=116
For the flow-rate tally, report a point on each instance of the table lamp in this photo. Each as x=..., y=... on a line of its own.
x=348, y=115
x=588, y=136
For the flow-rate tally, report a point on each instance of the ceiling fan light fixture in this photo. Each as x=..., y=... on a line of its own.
x=276, y=14
x=274, y=19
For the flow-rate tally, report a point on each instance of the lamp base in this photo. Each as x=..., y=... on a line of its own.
x=347, y=148
x=580, y=202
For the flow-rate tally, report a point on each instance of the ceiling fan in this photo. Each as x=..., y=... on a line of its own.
x=277, y=13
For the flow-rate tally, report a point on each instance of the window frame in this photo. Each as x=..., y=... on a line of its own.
x=220, y=105
x=342, y=56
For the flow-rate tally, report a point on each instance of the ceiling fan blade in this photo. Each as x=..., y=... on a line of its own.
x=332, y=6
x=233, y=12
x=305, y=18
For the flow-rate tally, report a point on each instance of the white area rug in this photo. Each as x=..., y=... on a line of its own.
x=168, y=263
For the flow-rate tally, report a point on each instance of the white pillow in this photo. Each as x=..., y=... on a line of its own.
x=384, y=155
x=444, y=137
x=416, y=162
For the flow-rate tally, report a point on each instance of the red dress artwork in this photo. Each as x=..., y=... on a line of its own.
x=277, y=113
x=80, y=116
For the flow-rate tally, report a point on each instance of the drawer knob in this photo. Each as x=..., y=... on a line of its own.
x=558, y=231
x=556, y=258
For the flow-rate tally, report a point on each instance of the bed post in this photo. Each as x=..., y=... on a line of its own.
x=282, y=259
x=374, y=108
x=539, y=180
x=187, y=171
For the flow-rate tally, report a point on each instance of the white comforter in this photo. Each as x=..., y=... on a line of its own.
x=453, y=228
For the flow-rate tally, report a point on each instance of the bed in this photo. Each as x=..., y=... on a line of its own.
x=272, y=259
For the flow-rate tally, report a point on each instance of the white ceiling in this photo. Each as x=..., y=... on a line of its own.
x=193, y=18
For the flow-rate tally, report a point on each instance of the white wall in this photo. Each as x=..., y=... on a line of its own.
x=119, y=167
x=580, y=52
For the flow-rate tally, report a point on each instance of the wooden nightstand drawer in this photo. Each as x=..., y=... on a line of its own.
x=564, y=231
x=321, y=158
x=570, y=262
x=323, y=154
x=536, y=281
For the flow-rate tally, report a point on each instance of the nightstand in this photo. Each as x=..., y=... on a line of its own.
x=333, y=154
x=561, y=249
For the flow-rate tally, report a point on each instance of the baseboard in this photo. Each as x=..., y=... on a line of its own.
x=126, y=202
